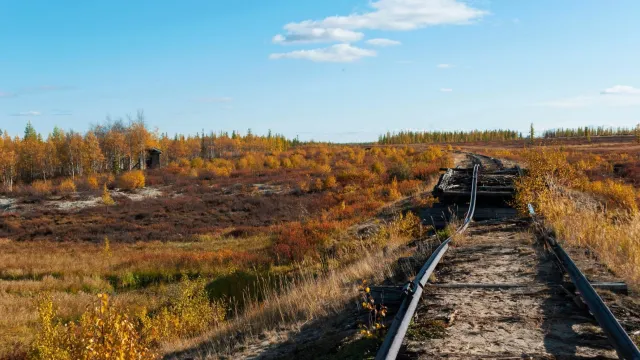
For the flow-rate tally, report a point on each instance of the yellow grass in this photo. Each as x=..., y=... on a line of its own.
x=303, y=300
x=600, y=215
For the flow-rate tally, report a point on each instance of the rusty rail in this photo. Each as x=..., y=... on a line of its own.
x=393, y=341
x=618, y=337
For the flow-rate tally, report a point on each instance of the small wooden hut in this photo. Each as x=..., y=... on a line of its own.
x=153, y=158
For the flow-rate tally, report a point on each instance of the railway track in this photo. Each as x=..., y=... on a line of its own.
x=500, y=294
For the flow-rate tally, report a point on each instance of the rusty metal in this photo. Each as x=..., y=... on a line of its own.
x=624, y=346
x=393, y=341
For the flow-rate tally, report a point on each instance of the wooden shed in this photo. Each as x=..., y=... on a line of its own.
x=153, y=158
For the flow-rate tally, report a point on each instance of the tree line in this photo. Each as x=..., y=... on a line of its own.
x=429, y=137
x=116, y=146
x=589, y=131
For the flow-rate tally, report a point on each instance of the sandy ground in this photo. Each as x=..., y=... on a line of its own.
x=77, y=202
x=537, y=320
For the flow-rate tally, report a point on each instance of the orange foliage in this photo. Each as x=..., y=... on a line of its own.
x=131, y=180
x=41, y=188
x=67, y=186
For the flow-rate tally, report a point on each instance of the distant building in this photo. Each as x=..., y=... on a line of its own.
x=153, y=158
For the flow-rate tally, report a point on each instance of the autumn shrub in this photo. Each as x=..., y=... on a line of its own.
x=286, y=163
x=188, y=313
x=272, y=162
x=330, y=182
x=296, y=241
x=409, y=187
x=102, y=332
x=425, y=171
x=430, y=154
x=544, y=167
x=221, y=172
x=184, y=163
x=106, y=196
x=317, y=185
x=304, y=186
x=322, y=169
x=197, y=163
x=248, y=161
x=322, y=159
x=92, y=182
x=298, y=160
x=40, y=188
x=173, y=168
x=378, y=168
x=353, y=176
x=615, y=194
x=400, y=171
x=67, y=186
x=390, y=191
x=131, y=180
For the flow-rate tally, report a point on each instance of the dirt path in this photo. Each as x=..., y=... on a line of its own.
x=536, y=320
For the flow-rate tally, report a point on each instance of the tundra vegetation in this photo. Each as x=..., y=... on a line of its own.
x=248, y=233
x=587, y=193
x=246, y=230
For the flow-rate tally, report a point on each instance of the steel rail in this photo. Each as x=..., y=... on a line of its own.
x=398, y=329
x=624, y=346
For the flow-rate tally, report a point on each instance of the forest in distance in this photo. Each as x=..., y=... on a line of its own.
x=117, y=146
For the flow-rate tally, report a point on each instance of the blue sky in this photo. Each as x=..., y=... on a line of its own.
x=340, y=70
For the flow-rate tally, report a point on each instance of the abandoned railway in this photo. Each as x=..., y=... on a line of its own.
x=501, y=289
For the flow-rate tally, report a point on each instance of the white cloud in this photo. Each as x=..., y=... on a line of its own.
x=446, y=90
x=383, y=42
x=335, y=53
x=318, y=35
x=216, y=100
x=621, y=90
x=400, y=15
x=444, y=66
x=28, y=113
x=616, y=96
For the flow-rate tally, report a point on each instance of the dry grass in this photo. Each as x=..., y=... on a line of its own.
x=600, y=215
x=612, y=235
x=303, y=300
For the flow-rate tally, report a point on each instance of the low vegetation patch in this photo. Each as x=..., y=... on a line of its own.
x=601, y=215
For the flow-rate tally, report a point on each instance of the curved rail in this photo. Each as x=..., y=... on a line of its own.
x=619, y=338
x=393, y=341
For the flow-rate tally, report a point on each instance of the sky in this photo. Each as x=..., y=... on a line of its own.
x=330, y=70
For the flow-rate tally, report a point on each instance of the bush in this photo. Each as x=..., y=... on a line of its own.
x=67, y=186
x=390, y=192
x=286, y=163
x=400, y=171
x=317, y=185
x=424, y=171
x=106, y=196
x=272, y=162
x=131, y=180
x=330, y=182
x=40, y=188
x=187, y=314
x=92, y=182
x=378, y=168
x=101, y=333
x=409, y=187
x=197, y=163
